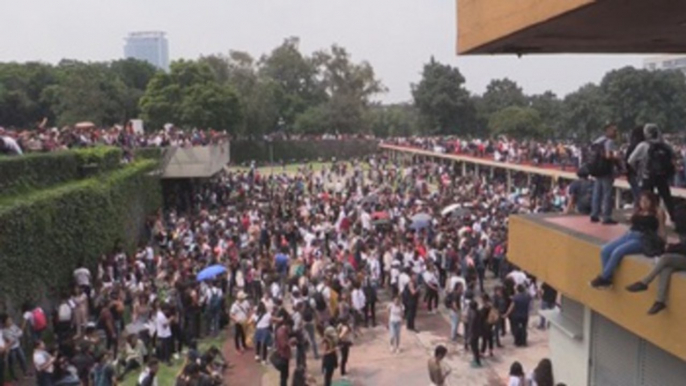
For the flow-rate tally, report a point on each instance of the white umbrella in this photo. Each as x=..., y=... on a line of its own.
x=450, y=208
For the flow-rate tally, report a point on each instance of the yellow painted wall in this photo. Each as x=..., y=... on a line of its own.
x=482, y=21
x=569, y=263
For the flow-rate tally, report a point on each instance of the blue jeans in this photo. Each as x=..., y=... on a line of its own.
x=635, y=185
x=16, y=355
x=309, y=329
x=602, y=197
x=454, y=324
x=395, y=332
x=613, y=252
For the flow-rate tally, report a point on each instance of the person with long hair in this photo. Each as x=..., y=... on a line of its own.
x=516, y=377
x=673, y=260
x=329, y=354
x=648, y=219
x=543, y=374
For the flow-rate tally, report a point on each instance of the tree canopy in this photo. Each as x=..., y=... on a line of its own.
x=326, y=91
x=444, y=104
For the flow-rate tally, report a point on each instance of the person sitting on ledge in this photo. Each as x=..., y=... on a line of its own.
x=648, y=219
x=673, y=260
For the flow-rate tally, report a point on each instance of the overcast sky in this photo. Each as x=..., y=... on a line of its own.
x=396, y=36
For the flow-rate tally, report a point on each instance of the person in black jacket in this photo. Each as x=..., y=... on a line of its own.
x=673, y=260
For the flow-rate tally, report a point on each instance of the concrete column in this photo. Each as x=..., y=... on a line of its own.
x=509, y=181
x=492, y=172
x=464, y=168
x=618, y=198
x=528, y=179
x=476, y=169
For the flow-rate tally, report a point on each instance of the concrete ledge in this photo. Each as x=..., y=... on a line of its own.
x=564, y=251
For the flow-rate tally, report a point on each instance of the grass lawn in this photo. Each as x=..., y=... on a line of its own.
x=278, y=169
x=167, y=375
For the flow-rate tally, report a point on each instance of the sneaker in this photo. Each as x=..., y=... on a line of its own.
x=595, y=219
x=637, y=287
x=610, y=221
x=257, y=358
x=265, y=363
x=475, y=365
x=601, y=283
x=392, y=349
x=657, y=307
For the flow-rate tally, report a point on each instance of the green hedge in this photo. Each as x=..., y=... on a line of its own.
x=154, y=153
x=45, y=234
x=21, y=174
x=243, y=151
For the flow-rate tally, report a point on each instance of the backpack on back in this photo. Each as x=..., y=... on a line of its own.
x=215, y=301
x=40, y=322
x=598, y=164
x=308, y=312
x=659, y=163
x=319, y=301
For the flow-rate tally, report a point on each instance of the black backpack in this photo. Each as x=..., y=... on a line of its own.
x=319, y=301
x=660, y=163
x=308, y=312
x=448, y=301
x=598, y=164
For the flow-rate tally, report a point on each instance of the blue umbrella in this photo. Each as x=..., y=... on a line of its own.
x=211, y=272
x=420, y=221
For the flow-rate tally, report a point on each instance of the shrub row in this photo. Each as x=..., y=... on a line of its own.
x=45, y=234
x=154, y=153
x=41, y=170
x=243, y=151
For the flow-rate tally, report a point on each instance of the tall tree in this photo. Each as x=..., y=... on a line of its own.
x=550, y=108
x=584, y=113
x=190, y=96
x=443, y=102
x=295, y=76
x=348, y=87
x=86, y=91
x=135, y=74
x=21, y=86
x=396, y=120
x=518, y=122
x=635, y=96
x=501, y=93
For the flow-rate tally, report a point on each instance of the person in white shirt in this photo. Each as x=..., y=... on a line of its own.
x=403, y=281
x=263, y=320
x=396, y=310
x=240, y=310
x=394, y=275
x=358, y=301
x=3, y=350
x=164, y=334
x=44, y=363
x=148, y=377
x=518, y=276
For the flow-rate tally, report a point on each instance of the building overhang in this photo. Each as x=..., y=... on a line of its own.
x=564, y=251
x=570, y=26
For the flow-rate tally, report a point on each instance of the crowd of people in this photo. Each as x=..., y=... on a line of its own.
x=566, y=155
x=308, y=256
x=305, y=258
x=47, y=139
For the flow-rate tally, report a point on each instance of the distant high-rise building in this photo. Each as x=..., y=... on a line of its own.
x=667, y=62
x=151, y=47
